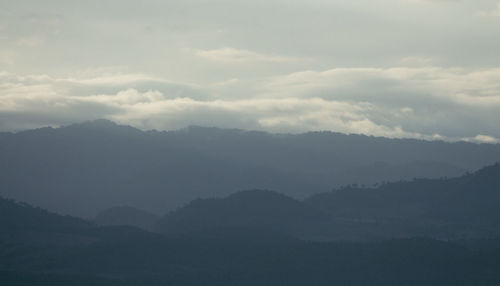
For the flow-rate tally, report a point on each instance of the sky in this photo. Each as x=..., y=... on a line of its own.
x=426, y=69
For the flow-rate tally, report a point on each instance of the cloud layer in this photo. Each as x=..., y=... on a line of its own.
x=231, y=55
x=423, y=102
x=415, y=68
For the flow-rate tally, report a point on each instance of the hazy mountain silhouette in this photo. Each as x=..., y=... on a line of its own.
x=472, y=198
x=21, y=216
x=20, y=222
x=464, y=207
x=84, y=168
x=125, y=215
x=255, y=209
x=467, y=206
x=129, y=256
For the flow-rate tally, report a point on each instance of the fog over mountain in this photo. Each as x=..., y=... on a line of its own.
x=84, y=168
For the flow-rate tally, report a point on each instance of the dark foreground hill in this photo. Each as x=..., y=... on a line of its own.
x=255, y=209
x=85, y=168
x=472, y=198
x=128, y=256
x=463, y=207
x=457, y=208
x=125, y=215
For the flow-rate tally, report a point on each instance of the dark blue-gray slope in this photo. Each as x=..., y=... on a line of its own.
x=125, y=215
x=85, y=168
x=127, y=256
x=458, y=208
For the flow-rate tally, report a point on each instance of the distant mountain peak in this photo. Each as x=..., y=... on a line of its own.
x=258, y=194
x=104, y=125
x=250, y=208
x=489, y=174
x=98, y=123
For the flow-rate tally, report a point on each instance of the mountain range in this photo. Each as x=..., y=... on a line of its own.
x=42, y=248
x=467, y=207
x=85, y=168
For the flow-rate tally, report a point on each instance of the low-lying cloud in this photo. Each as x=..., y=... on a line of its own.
x=421, y=102
x=236, y=56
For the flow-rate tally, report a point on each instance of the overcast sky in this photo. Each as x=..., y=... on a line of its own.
x=396, y=68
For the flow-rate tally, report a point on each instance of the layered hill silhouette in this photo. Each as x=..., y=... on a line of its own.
x=472, y=198
x=125, y=215
x=85, y=168
x=459, y=208
x=123, y=256
x=23, y=224
x=19, y=216
x=258, y=210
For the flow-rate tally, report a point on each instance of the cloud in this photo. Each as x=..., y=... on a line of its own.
x=453, y=102
x=231, y=55
x=414, y=61
x=432, y=1
x=477, y=88
x=40, y=100
x=482, y=139
x=30, y=41
x=152, y=110
x=229, y=82
x=423, y=102
x=495, y=12
x=6, y=57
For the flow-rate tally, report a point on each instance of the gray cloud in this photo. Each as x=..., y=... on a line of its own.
x=494, y=12
x=235, y=56
x=397, y=68
x=428, y=102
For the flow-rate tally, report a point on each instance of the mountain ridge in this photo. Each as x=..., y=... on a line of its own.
x=101, y=164
x=463, y=207
x=106, y=124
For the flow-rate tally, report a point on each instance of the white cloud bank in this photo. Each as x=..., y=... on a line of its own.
x=232, y=56
x=422, y=102
x=495, y=12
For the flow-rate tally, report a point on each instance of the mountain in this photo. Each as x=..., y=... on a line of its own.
x=378, y=172
x=463, y=207
x=22, y=222
x=21, y=216
x=124, y=256
x=84, y=168
x=254, y=209
x=125, y=215
x=458, y=208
